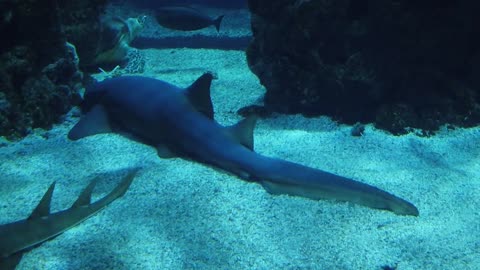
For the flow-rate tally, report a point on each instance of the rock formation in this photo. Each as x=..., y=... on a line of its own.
x=399, y=64
x=39, y=66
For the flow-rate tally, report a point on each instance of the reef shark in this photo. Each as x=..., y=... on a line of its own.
x=19, y=237
x=179, y=122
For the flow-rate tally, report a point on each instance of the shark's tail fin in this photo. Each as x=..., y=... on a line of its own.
x=217, y=22
x=120, y=190
x=284, y=177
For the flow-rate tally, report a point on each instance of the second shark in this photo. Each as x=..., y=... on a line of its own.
x=19, y=237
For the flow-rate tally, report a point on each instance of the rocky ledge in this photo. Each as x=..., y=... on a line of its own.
x=398, y=64
x=39, y=66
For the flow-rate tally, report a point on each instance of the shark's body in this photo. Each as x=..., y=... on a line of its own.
x=180, y=122
x=19, y=237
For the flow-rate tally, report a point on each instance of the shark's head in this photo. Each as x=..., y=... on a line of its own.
x=93, y=94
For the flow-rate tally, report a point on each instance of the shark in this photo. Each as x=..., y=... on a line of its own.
x=179, y=122
x=19, y=237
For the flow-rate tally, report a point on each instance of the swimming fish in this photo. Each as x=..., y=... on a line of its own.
x=179, y=123
x=19, y=237
x=185, y=19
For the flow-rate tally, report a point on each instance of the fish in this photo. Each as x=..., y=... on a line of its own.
x=185, y=19
x=179, y=122
x=21, y=236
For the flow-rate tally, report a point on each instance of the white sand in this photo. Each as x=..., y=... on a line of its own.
x=183, y=215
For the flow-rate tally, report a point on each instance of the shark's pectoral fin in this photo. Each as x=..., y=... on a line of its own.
x=43, y=207
x=11, y=262
x=288, y=189
x=94, y=122
x=164, y=152
x=199, y=95
x=242, y=132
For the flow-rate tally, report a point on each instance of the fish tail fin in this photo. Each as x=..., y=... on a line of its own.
x=217, y=22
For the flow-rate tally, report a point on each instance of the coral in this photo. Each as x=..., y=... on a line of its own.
x=35, y=99
x=136, y=62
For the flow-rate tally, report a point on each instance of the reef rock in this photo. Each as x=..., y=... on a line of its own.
x=39, y=69
x=399, y=64
x=212, y=3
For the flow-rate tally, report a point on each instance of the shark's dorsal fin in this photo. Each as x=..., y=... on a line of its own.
x=242, y=132
x=199, y=95
x=94, y=122
x=43, y=207
x=86, y=195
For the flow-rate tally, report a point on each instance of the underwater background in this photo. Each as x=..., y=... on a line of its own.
x=386, y=93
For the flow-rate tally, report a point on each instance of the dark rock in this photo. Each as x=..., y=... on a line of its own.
x=82, y=26
x=39, y=70
x=357, y=130
x=213, y=3
x=400, y=65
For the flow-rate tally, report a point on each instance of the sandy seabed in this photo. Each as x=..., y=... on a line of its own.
x=179, y=214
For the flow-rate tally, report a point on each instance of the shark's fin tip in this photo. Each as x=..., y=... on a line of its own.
x=217, y=22
x=243, y=131
x=127, y=180
x=43, y=207
x=86, y=195
x=199, y=95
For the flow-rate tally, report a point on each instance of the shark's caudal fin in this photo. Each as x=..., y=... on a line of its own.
x=94, y=122
x=120, y=190
x=217, y=22
x=242, y=132
x=284, y=177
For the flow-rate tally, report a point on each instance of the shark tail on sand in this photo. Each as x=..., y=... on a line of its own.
x=279, y=176
x=284, y=177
